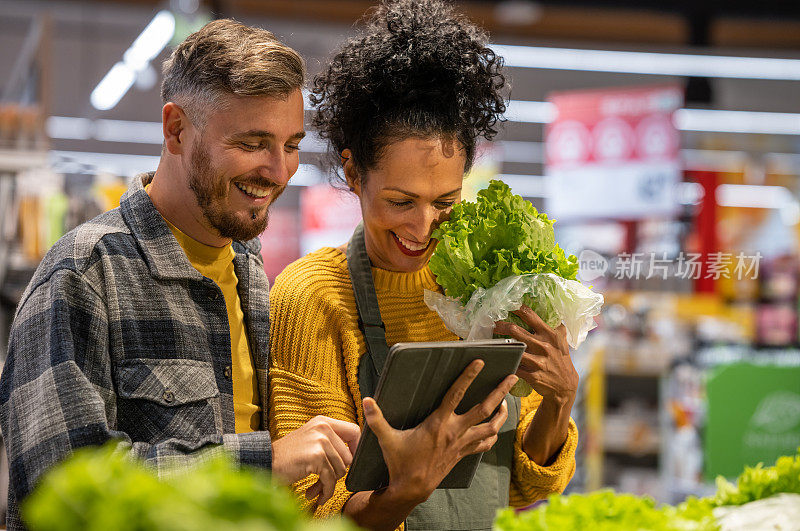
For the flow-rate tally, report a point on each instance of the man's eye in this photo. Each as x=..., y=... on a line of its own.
x=249, y=146
x=292, y=147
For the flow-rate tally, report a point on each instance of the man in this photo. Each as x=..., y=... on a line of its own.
x=149, y=324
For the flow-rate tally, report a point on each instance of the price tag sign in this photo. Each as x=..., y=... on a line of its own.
x=613, y=153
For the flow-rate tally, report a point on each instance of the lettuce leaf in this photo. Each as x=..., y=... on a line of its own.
x=758, y=482
x=602, y=510
x=606, y=510
x=498, y=236
x=97, y=489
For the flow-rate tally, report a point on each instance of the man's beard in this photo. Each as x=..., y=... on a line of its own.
x=211, y=191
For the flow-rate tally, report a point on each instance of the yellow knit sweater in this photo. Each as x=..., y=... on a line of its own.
x=316, y=347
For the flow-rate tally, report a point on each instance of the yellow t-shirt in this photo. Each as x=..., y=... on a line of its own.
x=216, y=263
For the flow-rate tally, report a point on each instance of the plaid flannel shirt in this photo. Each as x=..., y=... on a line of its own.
x=118, y=336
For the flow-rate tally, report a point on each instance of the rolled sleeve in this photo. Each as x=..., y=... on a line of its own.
x=531, y=481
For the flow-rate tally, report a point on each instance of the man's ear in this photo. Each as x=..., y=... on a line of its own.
x=174, y=123
x=351, y=172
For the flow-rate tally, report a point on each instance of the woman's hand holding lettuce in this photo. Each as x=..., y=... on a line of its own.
x=497, y=254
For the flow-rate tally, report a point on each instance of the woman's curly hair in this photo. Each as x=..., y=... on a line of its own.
x=418, y=70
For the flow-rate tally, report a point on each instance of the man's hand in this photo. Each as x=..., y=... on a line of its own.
x=418, y=459
x=322, y=446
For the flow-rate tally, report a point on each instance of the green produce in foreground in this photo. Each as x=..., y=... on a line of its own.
x=756, y=483
x=98, y=489
x=607, y=510
x=603, y=510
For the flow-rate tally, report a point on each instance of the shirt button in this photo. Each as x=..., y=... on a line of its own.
x=168, y=396
x=228, y=371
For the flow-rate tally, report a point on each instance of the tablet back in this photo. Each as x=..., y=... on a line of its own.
x=413, y=383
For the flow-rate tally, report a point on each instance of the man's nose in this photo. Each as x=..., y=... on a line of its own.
x=274, y=167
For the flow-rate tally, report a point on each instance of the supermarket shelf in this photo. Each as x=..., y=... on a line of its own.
x=620, y=372
x=649, y=448
x=17, y=160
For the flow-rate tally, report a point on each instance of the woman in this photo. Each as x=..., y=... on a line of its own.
x=402, y=107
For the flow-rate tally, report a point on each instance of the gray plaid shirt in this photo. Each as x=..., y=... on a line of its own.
x=119, y=336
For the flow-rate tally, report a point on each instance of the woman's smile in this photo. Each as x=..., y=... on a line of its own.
x=410, y=247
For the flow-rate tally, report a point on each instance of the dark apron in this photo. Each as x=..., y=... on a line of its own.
x=446, y=509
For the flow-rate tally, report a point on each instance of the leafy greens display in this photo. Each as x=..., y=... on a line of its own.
x=97, y=489
x=608, y=510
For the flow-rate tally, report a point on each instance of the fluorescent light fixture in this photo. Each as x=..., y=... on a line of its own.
x=753, y=196
x=525, y=185
x=129, y=165
x=112, y=87
x=537, y=112
x=128, y=131
x=69, y=128
x=776, y=123
x=760, y=196
x=116, y=83
x=72, y=128
x=665, y=64
x=151, y=41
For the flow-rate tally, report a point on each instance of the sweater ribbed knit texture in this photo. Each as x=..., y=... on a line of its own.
x=316, y=347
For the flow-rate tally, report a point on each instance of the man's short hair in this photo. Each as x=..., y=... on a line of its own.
x=226, y=57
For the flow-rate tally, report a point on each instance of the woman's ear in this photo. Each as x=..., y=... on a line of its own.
x=351, y=172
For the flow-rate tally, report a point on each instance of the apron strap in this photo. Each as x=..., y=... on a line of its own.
x=369, y=315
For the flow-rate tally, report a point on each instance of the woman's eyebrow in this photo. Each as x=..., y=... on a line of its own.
x=412, y=194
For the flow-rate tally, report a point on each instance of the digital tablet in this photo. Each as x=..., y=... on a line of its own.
x=413, y=383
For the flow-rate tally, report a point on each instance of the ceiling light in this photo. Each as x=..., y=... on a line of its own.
x=666, y=64
x=116, y=83
x=776, y=123
x=112, y=87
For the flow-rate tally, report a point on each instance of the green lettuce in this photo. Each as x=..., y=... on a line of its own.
x=501, y=235
x=498, y=236
x=602, y=510
x=757, y=482
x=607, y=510
x=97, y=489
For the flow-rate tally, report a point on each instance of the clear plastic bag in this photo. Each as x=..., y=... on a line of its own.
x=555, y=299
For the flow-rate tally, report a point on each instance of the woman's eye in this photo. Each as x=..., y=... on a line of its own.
x=399, y=203
x=444, y=204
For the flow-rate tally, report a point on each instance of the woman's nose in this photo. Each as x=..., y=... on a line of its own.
x=426, y=220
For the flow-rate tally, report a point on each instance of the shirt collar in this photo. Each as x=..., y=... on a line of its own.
x=163, y=254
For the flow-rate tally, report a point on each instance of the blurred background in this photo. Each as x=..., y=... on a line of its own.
x=663, y=136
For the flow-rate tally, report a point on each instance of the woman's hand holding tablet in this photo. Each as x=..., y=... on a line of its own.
x=419, y=458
